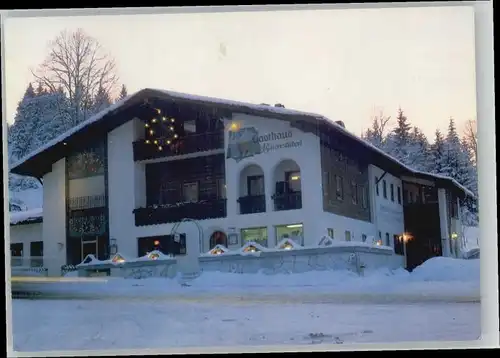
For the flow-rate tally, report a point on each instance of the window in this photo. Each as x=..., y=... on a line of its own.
x=221, y=189
x=354, y=193
x=166, y=189
x=36, y=253
x=384, y=188
x=190, y=192
x=16, y=253
x=326, y=183
x=376, y=186
x=190, y=127
x=363, y=238
x=331, y=233
x=392, y=192
x=293, y=180
x=410, y=197
x=218, y=238
x=399, y=195
x=294, y=232
x=364, y=197
x=339, y=187
x=257, y=234
x=387, y=240
x=255, y=185
x=166, y=244
x=380, y=235
x=347, y=236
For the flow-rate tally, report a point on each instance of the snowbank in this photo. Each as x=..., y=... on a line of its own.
x=447, y=269
x=440, y=278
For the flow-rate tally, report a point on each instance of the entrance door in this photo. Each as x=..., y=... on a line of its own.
x=89, y=247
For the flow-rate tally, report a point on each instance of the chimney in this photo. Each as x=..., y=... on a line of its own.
x=279, y=105
x=340, y=123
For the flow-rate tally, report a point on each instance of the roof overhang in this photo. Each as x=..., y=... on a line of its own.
x=40, y=161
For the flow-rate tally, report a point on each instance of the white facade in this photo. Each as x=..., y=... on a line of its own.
x=272, y=163
x=282, y=148
x=25, y=234
x=54, y=217
x=387, y=210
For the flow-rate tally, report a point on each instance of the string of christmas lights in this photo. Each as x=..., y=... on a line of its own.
x=154, y=124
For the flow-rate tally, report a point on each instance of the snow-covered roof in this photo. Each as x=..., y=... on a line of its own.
x=71, y=131
x=26, y=217
x=232, y=105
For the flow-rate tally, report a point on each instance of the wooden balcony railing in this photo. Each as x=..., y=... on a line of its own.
x=87, y=202
x=288, y=201
x=175, y=213
x=186, y=145
x=252, y=204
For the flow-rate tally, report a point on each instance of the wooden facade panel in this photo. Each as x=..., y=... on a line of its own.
x=345, y=184
x=165, y=181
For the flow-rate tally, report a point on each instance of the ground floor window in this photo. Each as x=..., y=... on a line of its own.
x=294, y=232
x=347, y=236
x=218, y=238
x=166, y=244
x=331, y=233
x=257, y=234
x=387, y=240
x=16, y=253
x=36, y=253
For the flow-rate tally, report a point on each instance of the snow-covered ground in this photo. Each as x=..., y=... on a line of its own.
x=438, y=301
x=92, y=325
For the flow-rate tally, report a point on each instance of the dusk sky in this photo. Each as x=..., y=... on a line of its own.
x=344, y=64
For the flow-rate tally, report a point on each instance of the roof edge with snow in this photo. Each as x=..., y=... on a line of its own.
x=32, y=216
x=26, y=165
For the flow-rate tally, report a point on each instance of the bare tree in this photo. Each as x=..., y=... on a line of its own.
x=376, y=133
x=470, y=136
x=78, y=64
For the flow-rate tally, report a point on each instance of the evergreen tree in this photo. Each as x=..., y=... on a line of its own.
x=101, y=101
x=55, y=119
x=403, y=128
x=418, y=151
x=40, y=90
x=123, y=93
x=30, y=92
x=398, y=141
x=456, y=162
x=437, y=154
x=39, y=118
x=20, y=133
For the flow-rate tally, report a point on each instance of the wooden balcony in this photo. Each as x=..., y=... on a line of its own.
x=87, y=202
x=252, y=204
x=168, y=214
x=288, y=201
x=187, y=145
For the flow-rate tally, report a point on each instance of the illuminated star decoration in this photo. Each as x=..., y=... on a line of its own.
x=153, y=129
